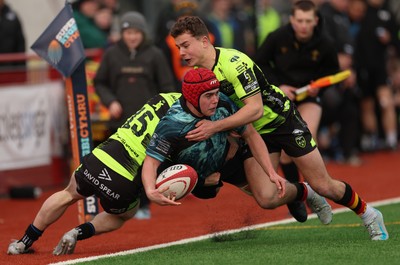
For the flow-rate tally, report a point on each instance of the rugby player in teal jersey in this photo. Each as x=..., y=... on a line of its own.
x=111, y=172
x=202, y=100
x=273, y=115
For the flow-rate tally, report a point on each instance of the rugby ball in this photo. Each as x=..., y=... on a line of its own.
x=180, y=178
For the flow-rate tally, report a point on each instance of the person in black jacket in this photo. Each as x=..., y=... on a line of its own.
x=378, y=31
x=341, y=121
x=131, y=72
x=291, y=57
x=11, y=34
x=167, y=16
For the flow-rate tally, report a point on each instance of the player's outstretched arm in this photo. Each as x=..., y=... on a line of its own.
x=260, y=153
x=149, y=175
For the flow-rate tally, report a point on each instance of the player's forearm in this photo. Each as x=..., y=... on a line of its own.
x=259, y=150
x=247, y=114
x=149, y=174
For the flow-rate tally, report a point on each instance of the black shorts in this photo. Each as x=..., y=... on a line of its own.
x=293, y=136
x=233, y=170
x=116, y=193
x=369, y=79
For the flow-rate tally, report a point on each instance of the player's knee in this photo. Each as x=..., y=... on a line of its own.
x=268, y=205
x=386, y=102
x=267, y=202
x=67, y=197
x=325, y=189
x=385, y=98
x=129, y=214
x=126, y=215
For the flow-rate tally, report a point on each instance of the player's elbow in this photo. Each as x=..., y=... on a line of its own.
x=259, y=113
x=257, y=109
x=256, y=113
x=254, y=108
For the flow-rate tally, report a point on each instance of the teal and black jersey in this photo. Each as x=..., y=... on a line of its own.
x=241, y=78
x=134, y=135
x=169, y=142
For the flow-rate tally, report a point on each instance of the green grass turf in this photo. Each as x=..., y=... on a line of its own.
x=344, y=241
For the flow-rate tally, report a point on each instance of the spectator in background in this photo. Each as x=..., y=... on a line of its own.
x=394, y=7
x=291, y=57
x=268, y=19
x=167, y=17
x=395, y=82
x=103, y=20
x=228, y=28
x=91, y=34
x=11, y=34
x=340, y=122
x=394, y=64
x=131, y=72
x=378, y=32
x=356, y=13
x=114, y=27
x=168, y=14
x=336, y=24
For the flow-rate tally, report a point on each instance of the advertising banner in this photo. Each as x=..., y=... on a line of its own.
x=25, y=126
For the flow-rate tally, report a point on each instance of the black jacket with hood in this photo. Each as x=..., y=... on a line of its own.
x=132, y=78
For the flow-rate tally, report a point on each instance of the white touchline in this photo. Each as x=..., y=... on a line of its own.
x=208, y=236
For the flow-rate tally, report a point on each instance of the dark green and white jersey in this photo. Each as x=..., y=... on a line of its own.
x=241, y=78
x=169, y=142
x=134, y=135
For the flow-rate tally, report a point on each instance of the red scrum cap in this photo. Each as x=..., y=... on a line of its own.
x=196, y=82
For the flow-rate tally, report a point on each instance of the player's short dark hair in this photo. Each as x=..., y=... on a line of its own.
x=189, y=24
x=304, y=5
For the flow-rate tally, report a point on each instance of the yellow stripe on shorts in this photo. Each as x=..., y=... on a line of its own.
x=112, y=163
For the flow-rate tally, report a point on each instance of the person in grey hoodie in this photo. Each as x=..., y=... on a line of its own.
x=131, y=72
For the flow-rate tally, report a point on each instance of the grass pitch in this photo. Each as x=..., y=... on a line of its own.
x=344, y=241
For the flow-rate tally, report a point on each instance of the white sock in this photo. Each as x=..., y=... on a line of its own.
x=310, y=192
x=391, y=138
x=368, y=215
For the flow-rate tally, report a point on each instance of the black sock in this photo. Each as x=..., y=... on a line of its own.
x=31, y=235
x=290, y=171
x=301, y=192
x=85, y=230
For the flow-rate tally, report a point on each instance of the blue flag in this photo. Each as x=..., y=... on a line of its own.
x=60, y=44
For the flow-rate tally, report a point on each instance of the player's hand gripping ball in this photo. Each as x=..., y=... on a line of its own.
x=181, y=180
